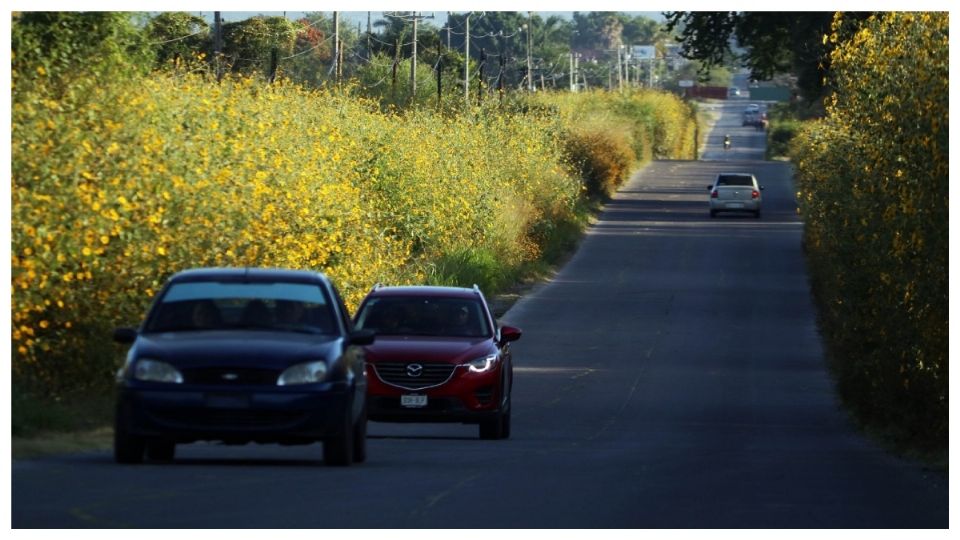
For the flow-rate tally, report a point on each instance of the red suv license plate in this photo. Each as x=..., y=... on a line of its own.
x=413, y=400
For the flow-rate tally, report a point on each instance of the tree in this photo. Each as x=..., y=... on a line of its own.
x=397, y=27
x=716, y=76
x=252, y=43
x=376, y=81
x=640, y=30
x=500, y=34
x=58, y=50
x=776, y=42
x=593, y=32
x=312, y=54
x=178, y=36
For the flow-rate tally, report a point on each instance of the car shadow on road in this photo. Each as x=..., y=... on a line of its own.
x=425, y=437
x=240, y=462
x=194, y=460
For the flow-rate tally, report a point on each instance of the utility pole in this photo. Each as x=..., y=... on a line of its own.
x=217, y=45
x=619, y=69
x=336, y=46
x=413, y=64
x=413, y=58
x=576, y=71
x=396, y=62
x=274, y=60
x=529, y=58
x=439, y=75
x=483, y=61
x=448, y=30
x=571, y=73
x=500, y=79
x=466, y=65
x=369, y=32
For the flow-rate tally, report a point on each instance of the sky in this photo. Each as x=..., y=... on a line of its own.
x=353, y=17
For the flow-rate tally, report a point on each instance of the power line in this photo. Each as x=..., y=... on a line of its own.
x=179, y=38
x=308, y=50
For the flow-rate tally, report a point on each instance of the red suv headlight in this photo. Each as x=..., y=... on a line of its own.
x=483, y=364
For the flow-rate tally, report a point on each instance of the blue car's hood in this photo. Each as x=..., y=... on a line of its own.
x=254, y=349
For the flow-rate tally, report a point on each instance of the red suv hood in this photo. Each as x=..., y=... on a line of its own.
x=428, y=349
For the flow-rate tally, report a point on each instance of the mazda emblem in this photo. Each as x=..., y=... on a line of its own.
x=414, y=370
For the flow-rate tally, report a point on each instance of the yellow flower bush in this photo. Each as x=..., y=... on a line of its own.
x=122, y=178
x=114, y=193
x=873, y=187
x=608, y=134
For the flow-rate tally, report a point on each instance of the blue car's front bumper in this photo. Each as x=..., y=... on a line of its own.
x=239, y=415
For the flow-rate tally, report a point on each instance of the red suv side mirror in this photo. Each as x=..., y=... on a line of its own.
x=510, y=333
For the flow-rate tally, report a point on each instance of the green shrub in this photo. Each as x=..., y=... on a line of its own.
x=468, y=267
x=779, y=136
x=873, y=189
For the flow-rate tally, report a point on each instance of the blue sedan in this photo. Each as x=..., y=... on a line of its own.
x=243, y=355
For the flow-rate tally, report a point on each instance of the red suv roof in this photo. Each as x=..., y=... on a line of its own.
x=425, y=290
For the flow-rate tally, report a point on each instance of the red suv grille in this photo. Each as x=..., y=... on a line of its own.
x=406, y=375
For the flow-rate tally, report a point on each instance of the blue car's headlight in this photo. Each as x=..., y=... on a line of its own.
x=305, y=373
x=483, y=364
x=146, y=369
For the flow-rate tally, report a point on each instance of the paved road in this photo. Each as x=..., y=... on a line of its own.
x=670, y=376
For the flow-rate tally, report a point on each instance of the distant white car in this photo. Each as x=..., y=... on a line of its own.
x=733, y=91
x=735, y=192
x=753, y=107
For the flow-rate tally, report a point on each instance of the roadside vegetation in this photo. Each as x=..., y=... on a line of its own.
x=873, y=189
x=124, y=174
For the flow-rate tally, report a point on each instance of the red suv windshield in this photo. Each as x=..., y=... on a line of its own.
x=423, y=316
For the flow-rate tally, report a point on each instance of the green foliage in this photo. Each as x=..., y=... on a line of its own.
x=178, y=37
x=468, y=266
x=389, y=83
x=873, y=189
x=779, y=136
x=251, y=44
x=776, y=42
x=67, y=53
x=34, y=412
x=309, y=63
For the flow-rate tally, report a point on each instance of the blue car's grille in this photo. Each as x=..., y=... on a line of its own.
x=228, y=419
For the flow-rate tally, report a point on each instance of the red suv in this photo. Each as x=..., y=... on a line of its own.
x=439, y=356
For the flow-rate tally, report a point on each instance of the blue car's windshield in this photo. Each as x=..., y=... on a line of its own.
x=294, y=307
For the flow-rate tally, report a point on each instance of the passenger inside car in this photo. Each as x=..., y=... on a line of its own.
x=289, y=312
x=256, y=313
x=205, y=315
x=460, y=323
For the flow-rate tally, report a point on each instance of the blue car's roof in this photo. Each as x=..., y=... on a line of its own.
x=248, y=274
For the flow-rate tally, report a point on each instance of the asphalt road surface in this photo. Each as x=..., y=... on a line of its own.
x=670, y=376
